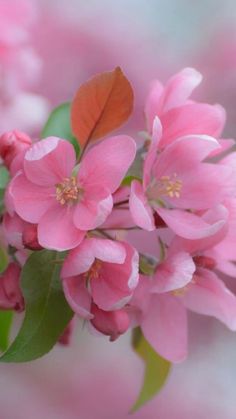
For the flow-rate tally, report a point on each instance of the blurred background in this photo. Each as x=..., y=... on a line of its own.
x=47, y=49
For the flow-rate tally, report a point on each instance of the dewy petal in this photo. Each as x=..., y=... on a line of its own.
x=30, y=201
x=187, y=225
x=139, y=207
x=78, y=296
x=57, y=231
x=91, y=214
x=152, y=151
x=164, y=325
x=113, y=289
x=197, y=118
x=179, y=88
x=49, y=161
x=174, y=273
x=208, y=295
x=106, y=164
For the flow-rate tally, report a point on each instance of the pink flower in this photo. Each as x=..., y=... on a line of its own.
x=19, y=233
x=101, y=271
x=64, y=204
x=10, y=292
x=177, y=180
x=13, y=144
x=110, y=323
x=178, y=115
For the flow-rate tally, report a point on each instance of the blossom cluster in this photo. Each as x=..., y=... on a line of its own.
x=87, y=207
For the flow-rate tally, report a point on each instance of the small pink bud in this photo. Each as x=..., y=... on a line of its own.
x=30, y=237
x=10, y=293
x=13, y=143
x=110, y=323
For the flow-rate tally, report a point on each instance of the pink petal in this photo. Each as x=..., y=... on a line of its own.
x=56, y=229
x=184, y=154
x=113, y=289
x=152, y=106
x=106, y=164
x=91, y=214
x=80, y=259
x=139, y=207
x=49, y=161
x=179, y=88
x=196, y=118
x=13, y=228
x=30, y=201
x=152, y=152
x=208, y=295
x=187, y=225
x=78, y=296
x=174, y=273
x=164, y=325
x=111, y=323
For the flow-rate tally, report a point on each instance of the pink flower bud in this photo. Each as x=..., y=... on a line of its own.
x=110, y=323
x=10, y=293
x=30, y=237
x=13, y=143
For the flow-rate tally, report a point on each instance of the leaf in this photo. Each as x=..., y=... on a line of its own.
x=58, y=125
x=101, y=105
x=4, y=177
x=6, y=318
x=128, y=180
x=156, y=370
x=3, y=259
x=47, y=312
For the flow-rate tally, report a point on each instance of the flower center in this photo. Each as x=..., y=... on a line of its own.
x=169, y=186
x=68, y=192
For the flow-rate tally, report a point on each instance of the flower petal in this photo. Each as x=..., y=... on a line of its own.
x=56, y=229
x=164, y=325
x=78, y=296
x=30, y=201
x=139, y=207
x=106, y=164
x=49, y=161
x=91, y=214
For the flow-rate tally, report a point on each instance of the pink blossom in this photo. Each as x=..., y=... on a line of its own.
x=10, y=292
x=178, y=115
x=111, y=323
x=13, y=144
x=65, y=205
x=101, y=271
x=178, y=180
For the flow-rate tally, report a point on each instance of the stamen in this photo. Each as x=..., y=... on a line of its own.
x=68, y=192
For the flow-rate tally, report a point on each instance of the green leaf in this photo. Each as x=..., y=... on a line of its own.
x=6, y=318
x=3, y=259
x=58, y=125
x=128, y=180
x=47, y=312
x=4, y=177
x=156, y=370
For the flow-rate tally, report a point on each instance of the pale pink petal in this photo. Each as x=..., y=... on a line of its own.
x=139, y=207
x=226, y=144
x=175, y=272
x=108, y=250
x=179, y=88
x=30, y=201
x=187, y=225
x=106, y=164
x=184, y=154
x=113, y=289
x=164, y=325
x=152, y=106
x=208, y=295
x=152, y=151
x=49, y=161
x=77, y=296
x=79, y=260
x=91, y=214
x=196, y=118
x=13, y=228
x=56, y=229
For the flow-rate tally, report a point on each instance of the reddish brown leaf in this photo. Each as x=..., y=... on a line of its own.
x=101, y=105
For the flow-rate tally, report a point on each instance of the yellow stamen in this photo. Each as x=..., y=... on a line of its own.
x=68, y=192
